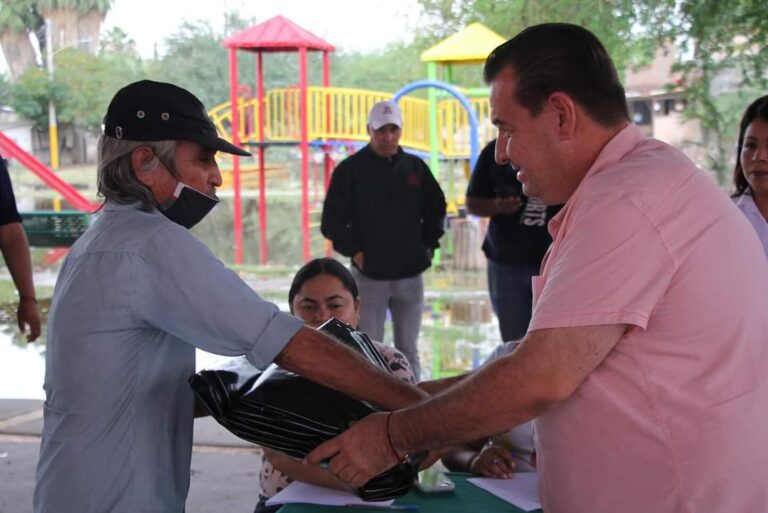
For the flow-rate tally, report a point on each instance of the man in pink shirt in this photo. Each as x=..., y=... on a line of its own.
x=644, y=363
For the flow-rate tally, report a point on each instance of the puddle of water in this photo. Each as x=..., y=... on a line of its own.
x=22, y=369
x=458, y=332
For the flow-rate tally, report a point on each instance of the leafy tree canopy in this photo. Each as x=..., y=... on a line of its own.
x=196, y=60
x=723, y=46
x=723, y=59
x=17, y=15
x=81, y=89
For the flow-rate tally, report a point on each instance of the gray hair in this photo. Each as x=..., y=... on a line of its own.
x=116, y=178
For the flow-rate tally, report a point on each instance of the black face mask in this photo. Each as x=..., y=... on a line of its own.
x=187, y=206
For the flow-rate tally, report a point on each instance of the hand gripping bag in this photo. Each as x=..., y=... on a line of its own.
x=285, y=412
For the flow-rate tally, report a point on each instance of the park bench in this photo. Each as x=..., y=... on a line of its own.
x=50, y=229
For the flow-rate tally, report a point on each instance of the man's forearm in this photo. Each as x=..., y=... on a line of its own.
x=438, y=385
x=483, y=207
x=544, y=370
x=315, y=356
x=469, y=410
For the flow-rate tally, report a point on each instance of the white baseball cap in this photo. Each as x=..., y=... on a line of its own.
x=385, y=113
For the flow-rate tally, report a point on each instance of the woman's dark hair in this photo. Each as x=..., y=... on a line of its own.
x=320, y=266
x=561, y=57
x=757, y=110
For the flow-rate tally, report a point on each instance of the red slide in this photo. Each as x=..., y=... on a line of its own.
x=10, y=149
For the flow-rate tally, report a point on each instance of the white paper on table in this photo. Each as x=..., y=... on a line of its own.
x=298, y=492
x=522, y=490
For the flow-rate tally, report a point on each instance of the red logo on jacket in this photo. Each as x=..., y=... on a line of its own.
x=413, y=180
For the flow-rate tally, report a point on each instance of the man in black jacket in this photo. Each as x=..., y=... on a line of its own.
x=385, y=210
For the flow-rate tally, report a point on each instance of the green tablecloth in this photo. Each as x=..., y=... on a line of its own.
x=465, y=498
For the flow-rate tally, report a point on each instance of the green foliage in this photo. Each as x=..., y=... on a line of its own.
x=611, y=20
x=31, y=94
x=116, y=41
x=88, y=83
x=385, y=70
x=723, y=46
x=26, y=16
x=17, y=15
x=83, y=83
x=6, y=90
x=720, y=42
x=196, y=60
x=81, y=6
x=82, y=87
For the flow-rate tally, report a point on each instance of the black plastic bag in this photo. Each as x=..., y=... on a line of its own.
x=285, y=412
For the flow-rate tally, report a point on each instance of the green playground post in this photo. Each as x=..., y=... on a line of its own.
x=434, y=159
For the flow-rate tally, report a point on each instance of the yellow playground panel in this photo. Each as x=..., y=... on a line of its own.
x=337, y=113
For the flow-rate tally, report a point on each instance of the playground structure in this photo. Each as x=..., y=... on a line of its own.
x=49, y=228
x=449, y=124
x=326, y=116
x=346, y=110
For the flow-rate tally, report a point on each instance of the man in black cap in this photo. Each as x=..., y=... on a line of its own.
x=134, y=298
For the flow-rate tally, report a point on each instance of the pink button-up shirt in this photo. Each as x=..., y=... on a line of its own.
x=675, y=419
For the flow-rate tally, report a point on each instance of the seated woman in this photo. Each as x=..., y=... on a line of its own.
x=322, y=289
x=750, y=176
x=500, y=455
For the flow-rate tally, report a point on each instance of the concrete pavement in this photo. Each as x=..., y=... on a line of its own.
x=225, y=469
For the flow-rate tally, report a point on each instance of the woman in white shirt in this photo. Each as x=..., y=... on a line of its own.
x=750, y=176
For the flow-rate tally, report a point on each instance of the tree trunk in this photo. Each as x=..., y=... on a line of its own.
x=73, y=30
x=18, y=52
x=63, y=28
x=89, y=27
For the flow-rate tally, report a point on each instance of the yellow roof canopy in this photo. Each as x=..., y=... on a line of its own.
x=471, y=45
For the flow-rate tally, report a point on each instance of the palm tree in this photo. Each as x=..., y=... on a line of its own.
x=17, y=18
x=75, y=23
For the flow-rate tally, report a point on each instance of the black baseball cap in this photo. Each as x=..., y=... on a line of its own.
x=156, y=111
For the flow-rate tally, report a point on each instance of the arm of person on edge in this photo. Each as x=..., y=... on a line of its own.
x=15, y=249
x=546, y=369
x=490, y=207
x=481, y=458
x=317, y=357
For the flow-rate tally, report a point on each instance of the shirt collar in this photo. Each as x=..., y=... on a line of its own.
x=396, y=156
x=110, y=206
x=747, y=204
x=615, y=149
x=622, y=143
x=745, y=200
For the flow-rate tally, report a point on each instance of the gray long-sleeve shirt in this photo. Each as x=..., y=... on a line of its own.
x=134, y=298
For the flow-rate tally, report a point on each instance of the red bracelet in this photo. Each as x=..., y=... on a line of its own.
x=405, y=458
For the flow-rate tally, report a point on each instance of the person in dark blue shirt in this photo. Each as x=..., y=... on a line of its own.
x=516, y=240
